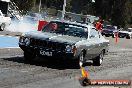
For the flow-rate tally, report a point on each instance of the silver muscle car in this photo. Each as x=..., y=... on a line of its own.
x=67, y=40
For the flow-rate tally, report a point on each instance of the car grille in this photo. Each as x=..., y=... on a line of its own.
x=47, y=44
x=106, y=31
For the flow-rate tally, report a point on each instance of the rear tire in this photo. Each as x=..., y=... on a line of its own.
x=99, y=59
x=128, y=37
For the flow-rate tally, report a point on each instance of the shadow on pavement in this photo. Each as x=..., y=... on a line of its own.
x=49, y=63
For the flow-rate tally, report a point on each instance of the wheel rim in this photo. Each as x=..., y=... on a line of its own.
x=114, y=35
x=2, y=27
x=101, y=58
x=129, y=36
x=81, y=59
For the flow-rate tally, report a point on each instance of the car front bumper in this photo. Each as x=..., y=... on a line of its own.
x=42, y=52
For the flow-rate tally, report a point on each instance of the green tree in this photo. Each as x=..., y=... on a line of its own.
x=120, y=15
x=103, y=8
x=82, y=6
x=68, y=5
x=25, y=5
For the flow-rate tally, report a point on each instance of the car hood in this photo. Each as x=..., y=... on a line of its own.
x=110, y=30
x=125, y=32
x=53, y=37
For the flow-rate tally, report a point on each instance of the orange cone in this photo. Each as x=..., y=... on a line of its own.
x=84, y=73
x=116, y=37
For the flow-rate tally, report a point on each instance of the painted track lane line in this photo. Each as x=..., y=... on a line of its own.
x=9, y=41
x=10, y=48
x=8, y=36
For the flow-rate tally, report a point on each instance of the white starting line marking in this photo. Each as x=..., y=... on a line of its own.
x=9, y=47
x=8, y=36
x=7, y=40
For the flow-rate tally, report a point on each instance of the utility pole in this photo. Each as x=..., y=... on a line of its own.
x=64, y=10
x=39, y=6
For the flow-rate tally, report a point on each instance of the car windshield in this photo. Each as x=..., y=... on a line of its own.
x=110, y=27
x=129, y=30
x=66, y=29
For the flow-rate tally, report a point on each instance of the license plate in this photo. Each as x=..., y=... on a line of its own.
x=42, y=52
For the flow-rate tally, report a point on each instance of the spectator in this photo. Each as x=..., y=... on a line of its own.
x=99, y=25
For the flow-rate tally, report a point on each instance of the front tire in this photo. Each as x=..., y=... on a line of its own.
x=114, y=35
x=80, y=60
x=29, y=56
x=99, y=59
x=2, y=27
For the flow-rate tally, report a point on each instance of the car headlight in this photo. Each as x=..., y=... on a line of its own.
x=24, y=41
x=27, y=41
x=21, y=39
x=68, y=48
x=71, y=49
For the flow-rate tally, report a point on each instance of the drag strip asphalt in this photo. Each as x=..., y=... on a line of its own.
x=42, y=73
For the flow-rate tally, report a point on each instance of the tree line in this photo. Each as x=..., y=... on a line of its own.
x=118, y=12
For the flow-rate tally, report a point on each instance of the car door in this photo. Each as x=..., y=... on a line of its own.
x=95, y=42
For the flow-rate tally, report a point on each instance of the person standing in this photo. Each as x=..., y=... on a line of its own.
x=99, y=25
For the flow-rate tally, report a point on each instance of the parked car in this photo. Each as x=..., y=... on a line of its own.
x=109, y=30
x=125, y=33
x=65, y=40
x=4, y=21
